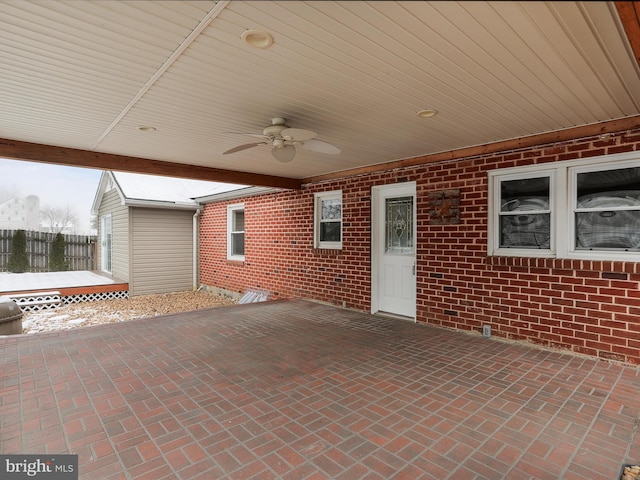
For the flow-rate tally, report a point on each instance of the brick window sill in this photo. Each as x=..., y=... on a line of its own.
x=327, y=252
x=237, y=263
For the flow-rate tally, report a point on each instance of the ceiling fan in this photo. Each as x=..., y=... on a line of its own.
x=285, y=140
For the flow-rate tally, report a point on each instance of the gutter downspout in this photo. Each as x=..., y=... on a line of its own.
x=195, y=249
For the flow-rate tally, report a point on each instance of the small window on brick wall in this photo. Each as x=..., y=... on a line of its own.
x=235, y=232
x=587, y=208
x=328, y=220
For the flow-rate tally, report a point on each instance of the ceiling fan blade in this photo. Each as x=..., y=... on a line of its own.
x=320, y=146
x=243, y=147
x=297, y=134
x=257, y=135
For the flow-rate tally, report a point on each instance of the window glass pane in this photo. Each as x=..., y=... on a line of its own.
x=608, y=210
x=399, y=225
x=525, y=231
x=525, y=218
x=609, y=181
x=532, y=192
x=237, y=243
x=608, y=230
x=330, y=232
x=331, y=209
x=238, y=221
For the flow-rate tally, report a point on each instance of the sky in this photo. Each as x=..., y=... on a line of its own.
x=55, y=185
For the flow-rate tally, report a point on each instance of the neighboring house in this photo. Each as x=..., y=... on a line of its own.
x=20, y=213
x=540, y=243
x=147, y=230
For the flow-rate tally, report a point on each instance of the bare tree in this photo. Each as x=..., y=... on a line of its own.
x=58, y=218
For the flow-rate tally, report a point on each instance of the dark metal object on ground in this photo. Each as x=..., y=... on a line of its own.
x=10, y=317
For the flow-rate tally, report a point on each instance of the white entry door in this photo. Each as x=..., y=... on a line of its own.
x=393, y=273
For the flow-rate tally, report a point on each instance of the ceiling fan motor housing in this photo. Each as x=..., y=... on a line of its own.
x=275, y=129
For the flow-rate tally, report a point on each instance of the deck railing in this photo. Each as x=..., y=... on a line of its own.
x=80, y=250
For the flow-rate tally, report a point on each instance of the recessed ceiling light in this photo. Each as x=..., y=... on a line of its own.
x=426, y=113
x=257, y=38
x=146, y=128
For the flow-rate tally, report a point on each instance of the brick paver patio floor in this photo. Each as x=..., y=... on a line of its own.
x=299, y=390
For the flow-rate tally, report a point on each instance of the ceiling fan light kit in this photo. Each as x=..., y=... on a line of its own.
x=285, y=140
x=284, y=154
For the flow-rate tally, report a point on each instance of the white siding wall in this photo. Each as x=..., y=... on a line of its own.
x=161, y=251
x=120, y=230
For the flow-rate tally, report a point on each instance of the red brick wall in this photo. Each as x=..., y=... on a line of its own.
x=590, y=307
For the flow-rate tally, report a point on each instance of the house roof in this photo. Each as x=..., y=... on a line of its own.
x=157, y=191
x=168, y=87
x=235, y=194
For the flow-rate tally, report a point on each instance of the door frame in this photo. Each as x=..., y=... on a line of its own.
x=376, y=225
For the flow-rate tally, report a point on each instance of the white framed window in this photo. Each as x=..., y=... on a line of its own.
x=586, y=209
x=328, y=220
x=235, y=232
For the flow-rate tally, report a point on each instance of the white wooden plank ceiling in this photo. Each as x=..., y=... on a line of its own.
x=85, y=74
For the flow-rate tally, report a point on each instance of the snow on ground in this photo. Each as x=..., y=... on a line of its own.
x=111, y=311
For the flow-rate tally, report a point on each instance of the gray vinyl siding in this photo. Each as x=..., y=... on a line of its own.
x=111, y=203
x=161, y=251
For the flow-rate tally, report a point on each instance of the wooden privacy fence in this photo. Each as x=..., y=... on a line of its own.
x=79, y=250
